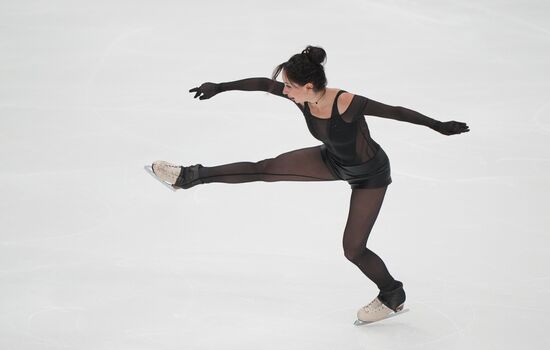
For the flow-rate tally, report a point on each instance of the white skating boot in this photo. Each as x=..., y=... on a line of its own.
x=176, y=176
x=385, y=305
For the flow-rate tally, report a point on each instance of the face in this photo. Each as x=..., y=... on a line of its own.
x=295, y=92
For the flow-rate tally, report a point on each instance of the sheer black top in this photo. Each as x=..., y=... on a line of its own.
x=345, y=135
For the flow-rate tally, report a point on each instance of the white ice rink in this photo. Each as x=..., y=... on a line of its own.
x=95, y=254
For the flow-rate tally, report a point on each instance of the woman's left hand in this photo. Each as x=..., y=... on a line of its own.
x=451, y=127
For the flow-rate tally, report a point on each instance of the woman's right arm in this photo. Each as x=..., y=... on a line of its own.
x=249, y=84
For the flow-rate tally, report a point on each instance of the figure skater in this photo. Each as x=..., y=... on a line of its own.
x=348, y=152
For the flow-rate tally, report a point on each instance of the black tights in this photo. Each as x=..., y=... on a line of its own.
x=306, y=164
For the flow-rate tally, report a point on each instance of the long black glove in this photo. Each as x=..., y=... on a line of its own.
x=372, y=107
x=451, y=127
x=249, y=84
x=207, y=90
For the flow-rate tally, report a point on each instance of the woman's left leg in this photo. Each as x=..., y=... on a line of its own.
x=365, y=204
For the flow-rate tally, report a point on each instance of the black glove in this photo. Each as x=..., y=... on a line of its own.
x=451, y=128
x=207, y=90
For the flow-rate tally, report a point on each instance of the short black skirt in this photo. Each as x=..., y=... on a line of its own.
x=374, y=173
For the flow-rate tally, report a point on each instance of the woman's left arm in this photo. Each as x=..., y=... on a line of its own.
x=372, y=107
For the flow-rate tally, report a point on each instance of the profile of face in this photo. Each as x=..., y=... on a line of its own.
x=297, y=93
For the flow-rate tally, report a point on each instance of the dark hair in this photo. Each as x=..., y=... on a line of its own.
x=305, y=67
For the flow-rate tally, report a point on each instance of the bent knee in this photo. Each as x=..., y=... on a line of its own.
x=264, y=164
x=353, y=254
x=268, y=166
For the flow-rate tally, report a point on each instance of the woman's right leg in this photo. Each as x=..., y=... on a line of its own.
x=305, y=164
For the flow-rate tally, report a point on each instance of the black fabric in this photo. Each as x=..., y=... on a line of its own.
x=189, y=172
x=306, y=164
x=347, y=152
x=394, y=296
x=346, y=136
x=364, y=208
x=374, y=173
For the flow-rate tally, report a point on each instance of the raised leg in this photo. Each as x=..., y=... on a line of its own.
x=303, y=164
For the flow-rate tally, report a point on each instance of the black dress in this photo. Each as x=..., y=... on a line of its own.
x=348, y=150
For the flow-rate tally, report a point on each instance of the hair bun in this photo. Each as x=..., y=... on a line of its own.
x=315, y=54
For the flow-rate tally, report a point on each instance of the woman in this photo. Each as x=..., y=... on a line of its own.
x=348, y=152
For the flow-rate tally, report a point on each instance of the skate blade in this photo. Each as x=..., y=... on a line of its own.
x=149, y=169
x=360, y=323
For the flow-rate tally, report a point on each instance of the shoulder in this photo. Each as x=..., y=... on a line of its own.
x=344, y=101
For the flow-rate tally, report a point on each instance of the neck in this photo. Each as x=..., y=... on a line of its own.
x=319, y=97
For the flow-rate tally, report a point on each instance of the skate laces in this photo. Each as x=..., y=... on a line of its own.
x=371, y=306
x=160, y=165
x=377, y=305
x=166, y=171
x=171, y=166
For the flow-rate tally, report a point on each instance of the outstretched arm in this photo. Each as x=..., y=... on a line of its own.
x=372, y=107
x=254, y=84
x=249, y=84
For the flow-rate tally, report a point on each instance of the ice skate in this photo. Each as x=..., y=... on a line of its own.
x=149, y=169
x=175, y=176
x=385, y=305
x=377, y=311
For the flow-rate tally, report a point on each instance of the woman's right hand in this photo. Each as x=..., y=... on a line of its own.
x=207, y=90
x=452, y=127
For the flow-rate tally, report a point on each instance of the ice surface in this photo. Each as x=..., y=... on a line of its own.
x=95, y=254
